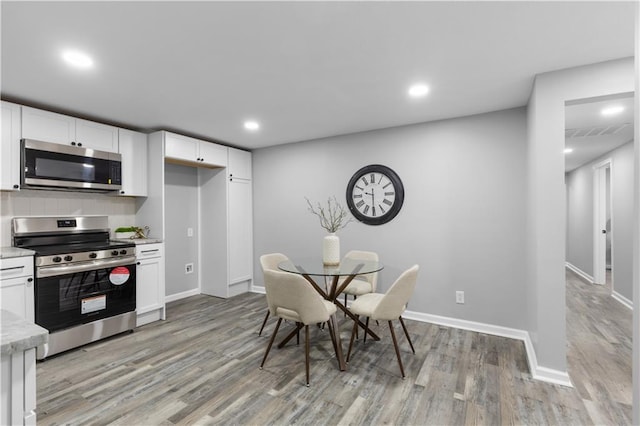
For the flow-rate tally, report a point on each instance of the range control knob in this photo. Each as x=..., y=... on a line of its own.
x=114, y=252
x=123, y=252
x=92, y=255
x=57, y=259
x=68, y=258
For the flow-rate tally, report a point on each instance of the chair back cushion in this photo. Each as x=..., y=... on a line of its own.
x=365, y=255
x=396, y=298
x=271, y=260
x=291, y=292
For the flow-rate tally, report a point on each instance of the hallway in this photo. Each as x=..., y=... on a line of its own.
x=599, y=334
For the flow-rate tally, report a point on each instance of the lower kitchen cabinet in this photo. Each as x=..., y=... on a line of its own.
x=18, y=376
x=150, y=285
x=16, y=286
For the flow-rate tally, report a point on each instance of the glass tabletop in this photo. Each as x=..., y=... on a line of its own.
x=311, y=266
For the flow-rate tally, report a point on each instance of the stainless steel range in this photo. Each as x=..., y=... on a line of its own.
x=85, y=284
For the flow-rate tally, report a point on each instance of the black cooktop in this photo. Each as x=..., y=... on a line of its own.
x=49, y=250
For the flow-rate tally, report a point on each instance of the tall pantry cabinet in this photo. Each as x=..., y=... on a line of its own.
x=225, y=258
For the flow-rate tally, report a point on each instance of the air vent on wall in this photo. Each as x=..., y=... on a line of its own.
x=594, y=131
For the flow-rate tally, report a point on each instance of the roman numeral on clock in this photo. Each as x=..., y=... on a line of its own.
x=360, y=204
x=387, y=202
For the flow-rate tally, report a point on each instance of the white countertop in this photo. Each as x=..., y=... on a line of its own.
x=18, y=334
x=10, y=252
x=139, y=240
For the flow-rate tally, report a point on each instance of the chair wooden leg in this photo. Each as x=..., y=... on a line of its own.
x=395, y=343
x=333, y=336
x=365, y=333
x=271, y=342
x=298, y=334
x=266, y=317
x=306, y=351
x=353, y=333
x=406, y=333
x=345, y=304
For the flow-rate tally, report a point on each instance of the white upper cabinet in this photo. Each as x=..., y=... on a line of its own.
x=133, y=148
x=189, y=150
x=10, y=147
x=96, y=135
x=239, y=164
x=58, y=128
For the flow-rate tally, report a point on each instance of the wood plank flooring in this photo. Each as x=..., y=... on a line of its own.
x=200, y=366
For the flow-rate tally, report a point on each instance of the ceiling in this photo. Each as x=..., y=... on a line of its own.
x=303, y=70
x=591, y=134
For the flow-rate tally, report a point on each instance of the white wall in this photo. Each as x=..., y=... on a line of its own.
x=463, y=218
x=546, y=215
x=121, y=210
x=181, y=212
x=580, y=217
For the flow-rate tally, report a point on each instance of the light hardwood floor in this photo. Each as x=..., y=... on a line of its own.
x=201, y=366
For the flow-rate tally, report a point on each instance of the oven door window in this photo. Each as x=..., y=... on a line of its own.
x=73, y=299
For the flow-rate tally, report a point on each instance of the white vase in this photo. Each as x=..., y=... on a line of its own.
x=331, y=250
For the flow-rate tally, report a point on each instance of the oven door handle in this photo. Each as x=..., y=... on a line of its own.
x=52, y=271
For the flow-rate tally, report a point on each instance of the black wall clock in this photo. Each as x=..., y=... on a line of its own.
x=375, y=194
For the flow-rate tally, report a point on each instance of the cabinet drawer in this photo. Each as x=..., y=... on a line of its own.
x=148, y=251
x=16, y=267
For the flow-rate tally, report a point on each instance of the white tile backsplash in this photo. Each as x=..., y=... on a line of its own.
x=121, y=210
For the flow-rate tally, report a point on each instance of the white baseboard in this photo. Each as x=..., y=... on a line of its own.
x=580, y=272
x=258, y=289
x=620, y=298
x=178, y=296
x=537, y=372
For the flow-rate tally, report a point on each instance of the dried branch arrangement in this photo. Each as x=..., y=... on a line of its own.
x=332, y=217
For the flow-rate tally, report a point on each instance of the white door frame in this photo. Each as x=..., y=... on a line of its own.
x=600, y=220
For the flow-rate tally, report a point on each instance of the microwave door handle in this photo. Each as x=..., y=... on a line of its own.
x=52, y=271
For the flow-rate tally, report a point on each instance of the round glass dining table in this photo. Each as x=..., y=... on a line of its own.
x=341, y=275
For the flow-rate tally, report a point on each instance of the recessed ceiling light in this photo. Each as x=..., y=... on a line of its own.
x=251, y=125
x=568, y=150
x=77, y=59
x=612, y=110
x=418, y=90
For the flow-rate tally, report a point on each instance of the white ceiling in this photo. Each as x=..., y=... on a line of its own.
x=304, y=70
x=591, y=134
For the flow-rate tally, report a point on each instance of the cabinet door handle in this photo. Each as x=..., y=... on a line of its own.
x=73, y=143
x=138, y=263
x=79, y=143
x=16, y=186
x=150, y=251
x=12, y=268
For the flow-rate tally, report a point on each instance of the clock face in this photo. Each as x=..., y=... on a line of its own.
x=375, y=194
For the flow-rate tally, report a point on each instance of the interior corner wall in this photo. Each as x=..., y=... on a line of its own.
x=546, y=214
x=580, y=217
x=462, y=220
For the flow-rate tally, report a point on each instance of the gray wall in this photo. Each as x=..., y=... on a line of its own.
x=181, y=210
x=580, y=217
x=546, y=196
x=463, y=218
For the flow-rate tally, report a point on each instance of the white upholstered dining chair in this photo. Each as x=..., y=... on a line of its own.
x=270, y=262
x=290, y=297
x=387, y=307
x=362, y=284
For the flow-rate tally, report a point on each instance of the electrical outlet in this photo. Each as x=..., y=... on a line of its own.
x=188, y=268
x=460, y=297
x=189, y=232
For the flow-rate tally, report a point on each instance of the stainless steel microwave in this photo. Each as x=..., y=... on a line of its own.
x=48, y=165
